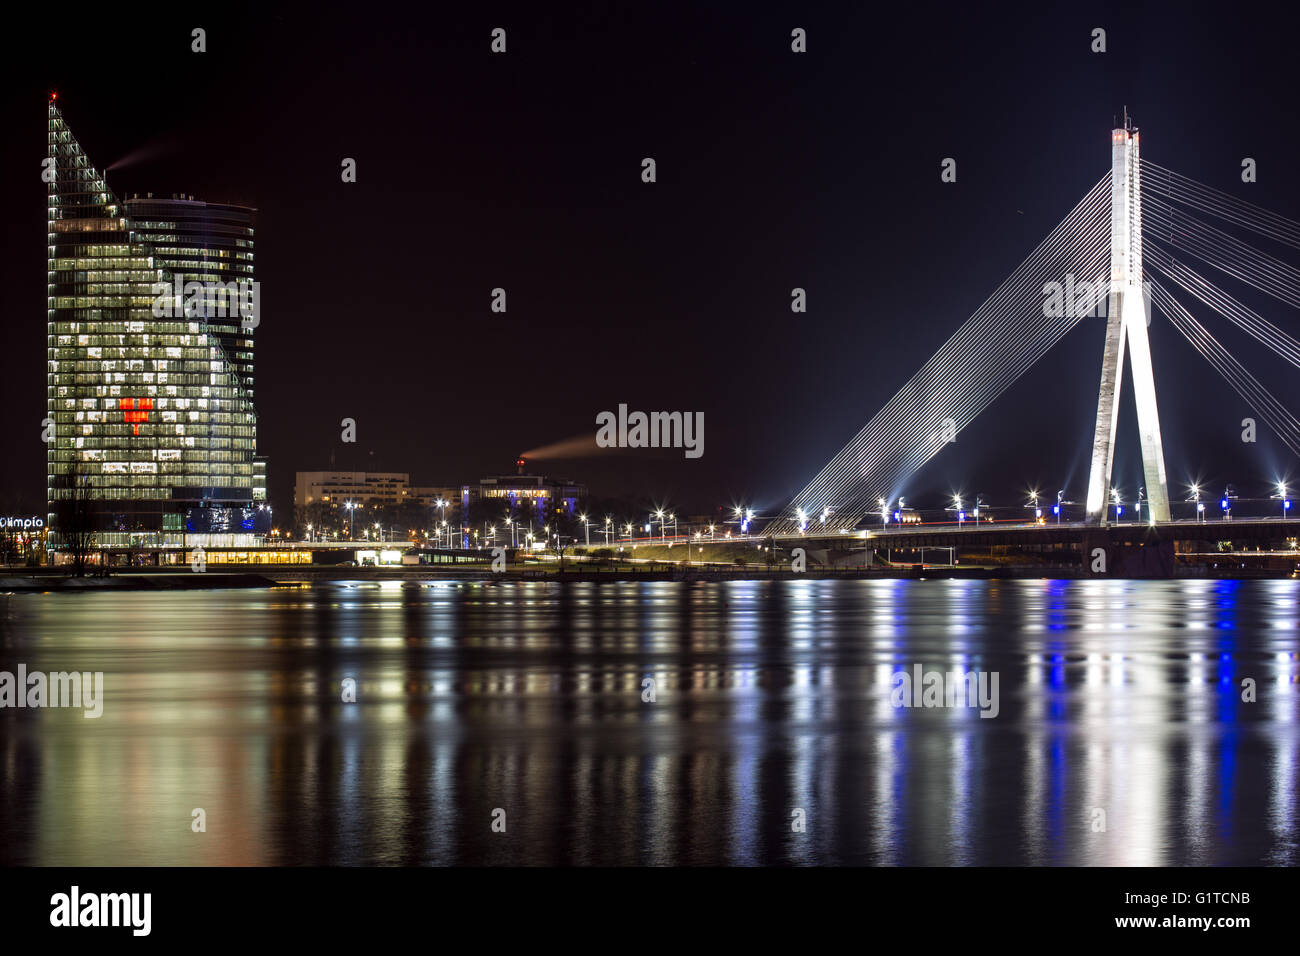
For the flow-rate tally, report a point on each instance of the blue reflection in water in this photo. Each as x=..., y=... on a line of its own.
x=771, y=697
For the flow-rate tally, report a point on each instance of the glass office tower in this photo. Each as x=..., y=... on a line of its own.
x=150, y=364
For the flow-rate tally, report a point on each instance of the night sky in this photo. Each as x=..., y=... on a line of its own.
x=775, y=170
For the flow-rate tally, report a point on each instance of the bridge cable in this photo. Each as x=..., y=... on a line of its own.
x=1283, y=423
x=964, y=376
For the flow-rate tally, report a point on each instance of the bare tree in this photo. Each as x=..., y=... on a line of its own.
x=74, y=511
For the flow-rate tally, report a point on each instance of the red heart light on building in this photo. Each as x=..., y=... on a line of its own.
x=135, y=410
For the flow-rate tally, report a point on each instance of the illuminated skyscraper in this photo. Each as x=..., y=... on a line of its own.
x=150, y=361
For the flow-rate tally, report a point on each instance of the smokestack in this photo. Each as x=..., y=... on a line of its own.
x=520, y=463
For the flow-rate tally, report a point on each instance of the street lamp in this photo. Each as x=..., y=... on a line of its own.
x=351, y=506
x=1060, y=496
x=442, y=515
x=956, y=504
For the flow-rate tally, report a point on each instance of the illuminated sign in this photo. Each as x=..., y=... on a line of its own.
x=135, y=411
x=32, y=522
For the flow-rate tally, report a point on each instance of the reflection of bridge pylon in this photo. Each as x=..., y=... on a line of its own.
x=1126, y=324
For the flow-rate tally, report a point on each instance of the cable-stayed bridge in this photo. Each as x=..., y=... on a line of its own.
x=1138, y=233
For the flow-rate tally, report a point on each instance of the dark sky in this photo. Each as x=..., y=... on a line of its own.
x=775, y=170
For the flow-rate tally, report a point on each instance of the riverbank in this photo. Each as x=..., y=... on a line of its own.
x=133, y=581
x=185, y=580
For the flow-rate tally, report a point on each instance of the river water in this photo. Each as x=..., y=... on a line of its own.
x=510, y=723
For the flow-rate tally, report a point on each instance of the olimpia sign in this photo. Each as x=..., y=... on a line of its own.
x=24, y=523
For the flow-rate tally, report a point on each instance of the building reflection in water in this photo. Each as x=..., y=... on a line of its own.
x=1121, y=737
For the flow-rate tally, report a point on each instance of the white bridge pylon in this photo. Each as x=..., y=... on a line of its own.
x=1126, y=330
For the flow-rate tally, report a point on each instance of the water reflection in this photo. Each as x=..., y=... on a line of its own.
x=1122, y=736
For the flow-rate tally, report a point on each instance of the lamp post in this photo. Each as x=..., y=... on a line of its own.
x=351, y=506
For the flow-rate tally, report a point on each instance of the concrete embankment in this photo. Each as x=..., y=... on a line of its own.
x=174, y=581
